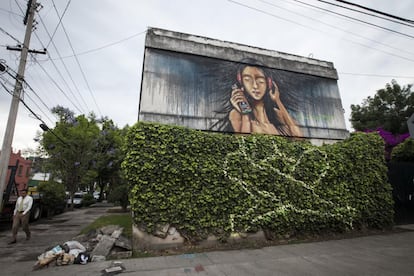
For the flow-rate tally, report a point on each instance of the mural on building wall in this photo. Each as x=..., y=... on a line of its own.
x=254, y=104
x=242, y=97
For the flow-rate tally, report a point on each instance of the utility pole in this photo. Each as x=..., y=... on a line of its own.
x=11, y=122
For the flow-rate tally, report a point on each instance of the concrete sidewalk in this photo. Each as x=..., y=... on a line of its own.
x=391, y=254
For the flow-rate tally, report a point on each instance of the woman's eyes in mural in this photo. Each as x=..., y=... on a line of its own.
x=258, y=80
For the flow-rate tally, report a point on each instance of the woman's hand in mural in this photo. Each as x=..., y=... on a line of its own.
x=237, y=96
x=275, y=94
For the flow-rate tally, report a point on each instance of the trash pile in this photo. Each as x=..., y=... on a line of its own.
x=99, y=245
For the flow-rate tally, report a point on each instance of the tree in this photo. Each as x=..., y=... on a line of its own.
x=108, y=157
x=70, y=147
x=389, y=109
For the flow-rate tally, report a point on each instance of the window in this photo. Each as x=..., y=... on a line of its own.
x=20, y=170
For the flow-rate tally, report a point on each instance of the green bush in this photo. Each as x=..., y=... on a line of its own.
x=53, y=193
x=403, y=152
x=209, y=183
x=119, y=195
x=88, y=200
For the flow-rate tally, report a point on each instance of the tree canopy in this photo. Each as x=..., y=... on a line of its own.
x=389, y=109
x=83, y=151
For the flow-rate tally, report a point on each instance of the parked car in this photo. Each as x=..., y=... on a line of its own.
x=77, y=199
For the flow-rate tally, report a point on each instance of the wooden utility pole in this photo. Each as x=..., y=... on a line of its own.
x=11, y=122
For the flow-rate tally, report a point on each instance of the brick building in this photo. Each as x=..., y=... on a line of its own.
x=23, y=170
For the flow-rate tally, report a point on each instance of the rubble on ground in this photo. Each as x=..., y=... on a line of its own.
x=97, y=245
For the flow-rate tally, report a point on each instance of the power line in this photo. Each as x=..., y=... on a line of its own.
x=366, y=13
x=40, y=109
x=7, y=89
x=376, y=75
x=11, y=12
x=77, y=61
x=106, y=45
x=59, y=23
x=15, y=39
x=356, y=19
x=65, y=67
x=41, y=100
x=55, y=66
x=308, y=27
x=61, y=90
x=29, y=86
x=64, y=81
x=376, y=11
x=336, y=27
x=20, y=8
x=44, y=127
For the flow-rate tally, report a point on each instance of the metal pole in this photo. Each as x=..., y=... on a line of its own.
x=11, y=122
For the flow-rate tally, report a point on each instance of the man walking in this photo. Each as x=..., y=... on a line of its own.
x=21, y=215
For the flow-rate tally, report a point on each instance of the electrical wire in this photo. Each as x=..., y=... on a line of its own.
x=106, y=45
x=338, y=28
x=6, y=88
x=57, y=85
x=11, y=12
x=376, y=11
x=59, y=23
x=41, y=100
x=33, y=113
x=77, y=61
x=356, y=19
x=367, y=13
x=65, y=67
x=376, y=75
x=318, y=30
x=38, y=107
x=43, y=86
x=43, y=122
x=24, y=82
x=49, y=76
x=15, y=39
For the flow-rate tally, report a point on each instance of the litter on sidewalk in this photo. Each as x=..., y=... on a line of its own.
x=95, y=246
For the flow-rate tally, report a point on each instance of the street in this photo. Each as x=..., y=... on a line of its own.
x=386, y=254
x=19, y=258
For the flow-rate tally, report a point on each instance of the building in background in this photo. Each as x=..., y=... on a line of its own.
x=23, y=170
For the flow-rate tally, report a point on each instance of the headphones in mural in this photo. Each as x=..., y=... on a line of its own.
x=240, y=82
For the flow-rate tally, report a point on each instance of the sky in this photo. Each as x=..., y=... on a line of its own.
x=95, y=54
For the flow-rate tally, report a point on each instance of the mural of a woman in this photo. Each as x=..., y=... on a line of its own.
x=255, y=104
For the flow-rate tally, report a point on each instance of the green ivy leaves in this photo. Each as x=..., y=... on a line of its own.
x=208, y=183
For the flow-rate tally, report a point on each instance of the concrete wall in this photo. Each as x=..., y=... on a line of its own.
x=187, y=81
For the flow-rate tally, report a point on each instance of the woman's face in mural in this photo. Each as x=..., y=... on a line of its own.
x=254, y=82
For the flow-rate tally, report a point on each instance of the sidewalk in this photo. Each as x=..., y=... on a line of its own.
x=391, y=254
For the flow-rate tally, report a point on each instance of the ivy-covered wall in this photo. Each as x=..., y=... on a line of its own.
x=209, y=183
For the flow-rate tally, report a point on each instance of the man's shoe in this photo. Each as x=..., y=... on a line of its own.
x=13, y=241
x=27, y=238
